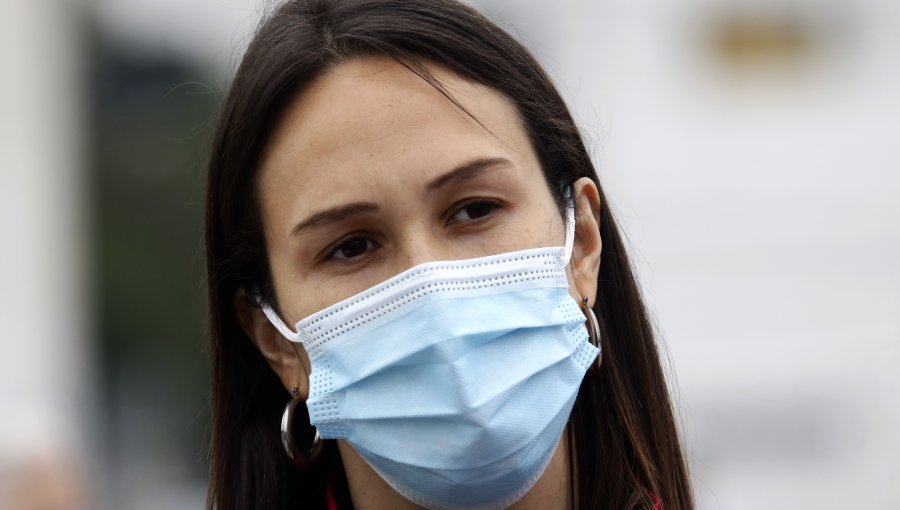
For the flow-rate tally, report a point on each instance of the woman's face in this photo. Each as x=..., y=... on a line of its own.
x=373, y=171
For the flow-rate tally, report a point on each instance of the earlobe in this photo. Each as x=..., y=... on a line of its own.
x=287, y=359
x=588, y=243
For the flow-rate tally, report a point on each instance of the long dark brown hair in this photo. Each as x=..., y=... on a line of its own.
x=624, y=444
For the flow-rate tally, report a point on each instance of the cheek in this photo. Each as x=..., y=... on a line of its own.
x=303, y=296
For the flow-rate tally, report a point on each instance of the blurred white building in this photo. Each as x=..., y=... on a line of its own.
x=45, y=363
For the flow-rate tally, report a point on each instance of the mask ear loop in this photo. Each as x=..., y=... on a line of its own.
x=570, y=226
x=275, y=320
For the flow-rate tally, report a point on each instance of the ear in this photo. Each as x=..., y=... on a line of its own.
x=585, y=264
x=287, y=359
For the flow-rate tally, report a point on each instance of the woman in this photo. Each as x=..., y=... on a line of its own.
x=417, y=295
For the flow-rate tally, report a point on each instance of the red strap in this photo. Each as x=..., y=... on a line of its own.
x=329, y=497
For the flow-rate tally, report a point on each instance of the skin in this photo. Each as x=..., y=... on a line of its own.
x=371, y=132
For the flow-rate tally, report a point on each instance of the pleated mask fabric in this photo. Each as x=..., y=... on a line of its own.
x=453, y=380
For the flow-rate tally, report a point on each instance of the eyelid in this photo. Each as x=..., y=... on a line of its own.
x=494, y=202
x=327, y=254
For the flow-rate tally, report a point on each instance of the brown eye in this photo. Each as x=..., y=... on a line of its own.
x=352, y=248
x=473, y=211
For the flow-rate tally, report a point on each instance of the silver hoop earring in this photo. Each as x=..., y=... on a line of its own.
x=300, y=459
x=593, y=328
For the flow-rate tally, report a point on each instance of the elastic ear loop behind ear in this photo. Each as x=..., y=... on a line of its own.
x=570, y=227
x=276, y=321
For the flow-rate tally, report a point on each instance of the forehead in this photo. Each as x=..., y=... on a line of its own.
x=370, y=123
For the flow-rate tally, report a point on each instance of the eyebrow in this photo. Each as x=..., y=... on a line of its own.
x=468, y=170
x=334, y=215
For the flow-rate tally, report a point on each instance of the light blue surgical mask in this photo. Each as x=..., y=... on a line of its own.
x=454, y=380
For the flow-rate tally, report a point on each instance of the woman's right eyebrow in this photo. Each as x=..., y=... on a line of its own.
x=333, y=215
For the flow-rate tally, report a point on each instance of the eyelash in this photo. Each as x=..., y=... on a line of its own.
x=331, y=255
x=494, y=205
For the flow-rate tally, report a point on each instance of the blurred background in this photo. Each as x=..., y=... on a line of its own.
x=751, y=149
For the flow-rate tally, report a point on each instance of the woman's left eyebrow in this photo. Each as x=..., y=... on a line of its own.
x=468, y=170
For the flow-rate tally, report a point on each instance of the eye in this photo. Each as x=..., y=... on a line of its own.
x=352, y=248
x=473, y=211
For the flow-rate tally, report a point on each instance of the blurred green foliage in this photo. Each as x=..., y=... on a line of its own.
x=150, y=130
